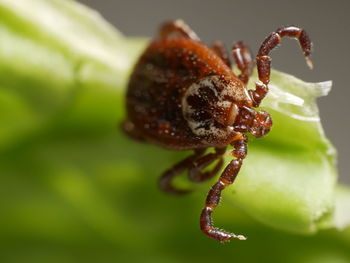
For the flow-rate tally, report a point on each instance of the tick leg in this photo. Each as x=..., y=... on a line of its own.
x=227, y=177
x=177, y=28
x=166, y=180
x=243, y=58
x=195, y=172
x=263, y=60
x=221, y=51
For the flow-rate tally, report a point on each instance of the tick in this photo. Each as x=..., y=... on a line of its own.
x=183, y=95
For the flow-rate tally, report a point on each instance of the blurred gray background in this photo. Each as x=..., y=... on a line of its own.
x=327, y=23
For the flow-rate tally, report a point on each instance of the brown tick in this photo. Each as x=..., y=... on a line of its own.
x=183, y=95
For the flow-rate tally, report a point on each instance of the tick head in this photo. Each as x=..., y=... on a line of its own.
x=258, y=123
x=261, y=125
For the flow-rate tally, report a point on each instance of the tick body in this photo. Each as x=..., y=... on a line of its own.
x=183, y=95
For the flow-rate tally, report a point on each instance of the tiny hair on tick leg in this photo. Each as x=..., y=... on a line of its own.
x=183, y=95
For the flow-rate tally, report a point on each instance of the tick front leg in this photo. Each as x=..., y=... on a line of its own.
x=195, y=172
x=177, y=28
x=166, y=180
x=221, y=51
x=227, y=178
x=243, y=58
x=263, y=60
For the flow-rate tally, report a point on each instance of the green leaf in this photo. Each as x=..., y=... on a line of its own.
x=66, y=64
x=341, y=218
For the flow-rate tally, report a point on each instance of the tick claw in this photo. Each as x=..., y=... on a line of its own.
x=309, y=63
x=240, y=237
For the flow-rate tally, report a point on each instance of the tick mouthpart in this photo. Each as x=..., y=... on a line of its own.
x=258, y=123
x=261, y=124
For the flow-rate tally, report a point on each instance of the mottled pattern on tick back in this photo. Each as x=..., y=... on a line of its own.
x=157, y=86
x=210, y=108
